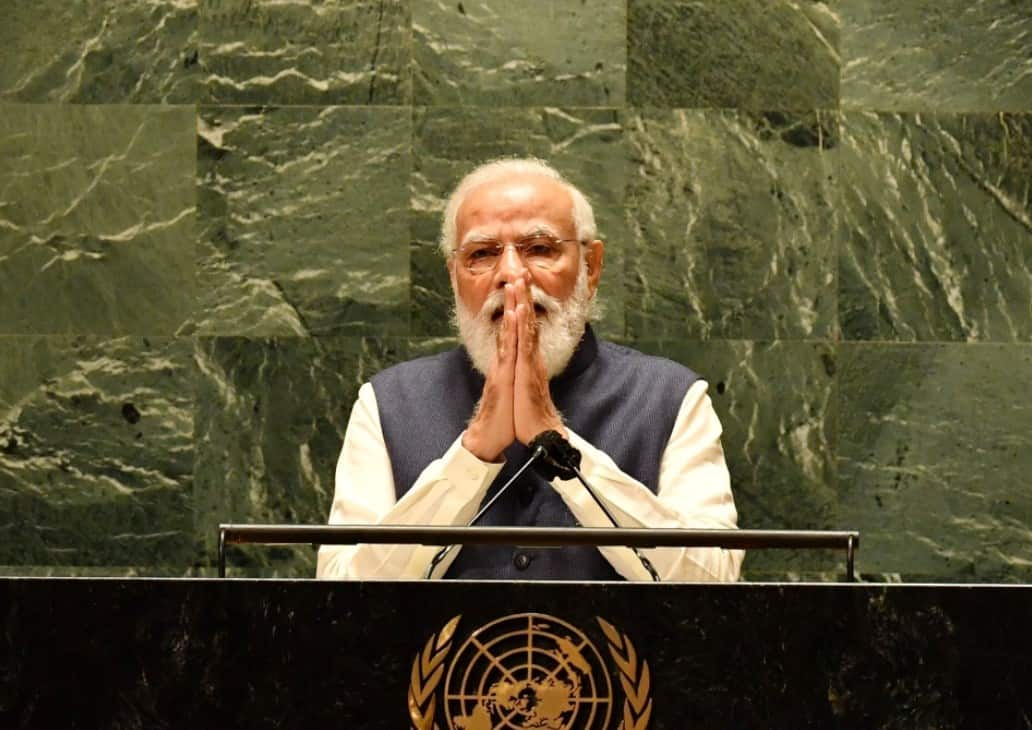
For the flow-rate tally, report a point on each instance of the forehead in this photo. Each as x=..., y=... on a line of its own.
x=516, y=200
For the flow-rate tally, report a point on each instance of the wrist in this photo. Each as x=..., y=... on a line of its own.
x=475, y=444
x=542, y=426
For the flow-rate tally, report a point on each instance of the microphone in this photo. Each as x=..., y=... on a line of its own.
x=563, y=461
x=539, y=453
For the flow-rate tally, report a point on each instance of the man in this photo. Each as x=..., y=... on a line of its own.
x=430, y=440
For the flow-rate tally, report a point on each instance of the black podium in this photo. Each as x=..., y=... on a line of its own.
x=207, y=653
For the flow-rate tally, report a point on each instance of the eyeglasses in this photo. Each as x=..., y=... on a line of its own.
x=540, y=251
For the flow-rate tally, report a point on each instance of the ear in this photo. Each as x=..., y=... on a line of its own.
x=593, y=259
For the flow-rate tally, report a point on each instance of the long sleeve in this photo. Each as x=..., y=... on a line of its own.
x=694, y=491
x=448, y=492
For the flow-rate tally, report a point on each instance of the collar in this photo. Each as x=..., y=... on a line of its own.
x=582, y=358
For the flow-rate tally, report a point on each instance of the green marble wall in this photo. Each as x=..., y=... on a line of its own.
x=217, y=219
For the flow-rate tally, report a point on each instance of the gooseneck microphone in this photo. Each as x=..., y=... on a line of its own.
x=538, y=453
x=562, y=461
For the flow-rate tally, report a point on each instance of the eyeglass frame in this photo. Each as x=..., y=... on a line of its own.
x=502, y=246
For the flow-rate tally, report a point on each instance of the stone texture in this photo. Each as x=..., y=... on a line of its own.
x=937, y=227
x=777, y=404
x=750, y=54
x=96, y=453
x=100, y=51
x=732, y=225
x=303, y=228
x=501, y=53
x=586, y=145
x=936, y=55
x=270, y=421
x=274, y=52
x=934, y=457
x=96, y=219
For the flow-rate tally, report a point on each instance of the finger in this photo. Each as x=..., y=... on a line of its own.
x=529, y=330
x=508, y=298
x=521, y=290
x=519, y=294
x=509, y=342
x=508, y=303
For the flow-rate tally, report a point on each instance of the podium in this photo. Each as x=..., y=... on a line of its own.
x=242, y=653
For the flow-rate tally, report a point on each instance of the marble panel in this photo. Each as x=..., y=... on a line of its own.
x=749, y=54
x=777, y=404
x=100, y=52
x=303, y=221
x=271, y=416
x=274, y=52
x=96, y=219
x=934, y=459
x=585, y=145
x=732, y=224
x=96, y=453
x=936, y=213
x=936, y=55
x=528, y=53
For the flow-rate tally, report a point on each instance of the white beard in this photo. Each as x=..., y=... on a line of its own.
x=560, y=327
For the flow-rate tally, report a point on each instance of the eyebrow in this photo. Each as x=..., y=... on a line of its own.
x=540, y=229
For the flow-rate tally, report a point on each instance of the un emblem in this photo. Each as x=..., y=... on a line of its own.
x=527, y=671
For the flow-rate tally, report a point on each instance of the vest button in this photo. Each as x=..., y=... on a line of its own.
x=521, y=561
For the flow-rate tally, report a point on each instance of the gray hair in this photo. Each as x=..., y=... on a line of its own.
x=583, y=216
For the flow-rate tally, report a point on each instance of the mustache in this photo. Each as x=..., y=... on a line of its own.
x=494, y=305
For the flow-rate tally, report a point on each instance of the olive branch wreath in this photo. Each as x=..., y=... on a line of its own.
x=634, y=678
x=427, y=670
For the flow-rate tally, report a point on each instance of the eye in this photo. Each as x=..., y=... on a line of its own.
x=539, y=246
x=478, y=254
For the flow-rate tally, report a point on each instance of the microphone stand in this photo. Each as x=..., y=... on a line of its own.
x=562, y=460
x=539, y=451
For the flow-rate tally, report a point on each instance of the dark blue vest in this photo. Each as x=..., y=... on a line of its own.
x=619, y=400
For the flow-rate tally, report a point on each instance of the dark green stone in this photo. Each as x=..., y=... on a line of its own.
x=303, y=228
x=934, y=457
x=732, y=225
x=270, y=52
x=936, y=55
x=749, y=54
x=96, y=219
x=96, y=453
x=519, y=54
x=937, y=227
x=100, y=52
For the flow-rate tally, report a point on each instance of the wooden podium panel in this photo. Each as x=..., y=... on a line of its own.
x=142, y=653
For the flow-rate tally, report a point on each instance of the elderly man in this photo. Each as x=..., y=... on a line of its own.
x=429, y=440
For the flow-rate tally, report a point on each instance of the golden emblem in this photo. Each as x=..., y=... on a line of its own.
x=527, y=671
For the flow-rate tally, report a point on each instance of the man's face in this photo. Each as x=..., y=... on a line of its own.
x=507, y=211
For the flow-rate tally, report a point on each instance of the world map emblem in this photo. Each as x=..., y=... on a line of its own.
x=528, y=671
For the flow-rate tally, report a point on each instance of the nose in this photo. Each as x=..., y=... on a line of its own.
x=510, y=267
